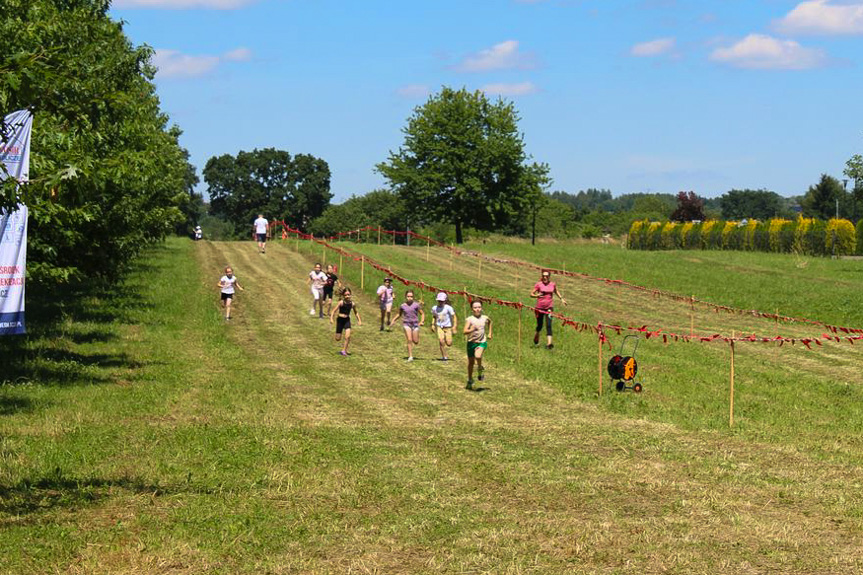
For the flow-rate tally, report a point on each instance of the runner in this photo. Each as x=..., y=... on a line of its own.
x=261, y=232
x=475, y=329
x=329, y=285
x=226, y=285
x=445, y=322
x=544, y=291
x=342, y=315
x=317, y=281
x=413, y=317
x=386, y=295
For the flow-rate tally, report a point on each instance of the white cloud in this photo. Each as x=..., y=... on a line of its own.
x=182, y=4
x=503, y=56
x=238, y=55
x=519, y=89
x=174, y=64
x=758, y=51
x=822, y=17
x=414, y=91
x=656, y=47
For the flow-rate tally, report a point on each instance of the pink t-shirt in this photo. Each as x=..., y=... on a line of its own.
x=546, y=294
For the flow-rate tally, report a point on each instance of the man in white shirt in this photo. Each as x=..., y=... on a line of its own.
x=261, y=232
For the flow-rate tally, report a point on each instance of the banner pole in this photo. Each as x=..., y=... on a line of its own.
x=692, y=317
x=362, y=273
x=428, y=249
x=340, y=263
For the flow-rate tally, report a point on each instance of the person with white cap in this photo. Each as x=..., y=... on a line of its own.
x=445, y=323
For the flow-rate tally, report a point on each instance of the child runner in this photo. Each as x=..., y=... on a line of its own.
x=261, y=231
x=227, y=284
x=386, y=295
x=475, y=329
x=342, y=315
x=329, y=285
x=413, y=317
x=317, y=280
x=544, y=291
x=445, y=322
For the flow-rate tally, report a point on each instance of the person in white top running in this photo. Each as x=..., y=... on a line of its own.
x=261, y=232
x=317, y=281
x=226, y=285
x=445, y=321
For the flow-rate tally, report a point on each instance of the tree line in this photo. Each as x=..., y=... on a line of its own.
x=108, y=176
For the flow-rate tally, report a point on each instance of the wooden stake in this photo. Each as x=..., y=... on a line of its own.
x=518, y=347
x=731, y=396
x=600, y=366
x=362, y=273
x=428, y=249
x=692, y=317
x=379, y=234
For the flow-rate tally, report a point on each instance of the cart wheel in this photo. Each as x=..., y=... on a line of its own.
x=620, y=386
x=637, y=388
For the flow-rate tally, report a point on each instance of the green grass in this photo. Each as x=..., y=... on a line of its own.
x=141, y=433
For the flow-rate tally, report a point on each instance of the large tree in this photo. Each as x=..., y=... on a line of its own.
x=107, y=173
x=822, y=199
x=377, y=208
x=463, y=162
x=268, y=182
x=689, y=208
x=757, y=204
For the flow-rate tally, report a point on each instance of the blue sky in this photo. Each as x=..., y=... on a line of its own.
x=627, y=95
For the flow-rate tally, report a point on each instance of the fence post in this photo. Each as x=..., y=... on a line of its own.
x=600, y=360
x=731, y=398
x=428, y=249
x=518, y=345
x=362, y=272
x=379, y=234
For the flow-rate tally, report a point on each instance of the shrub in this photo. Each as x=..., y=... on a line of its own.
x=780, y=235
x=654, y=236
x=844, y=233
x=670, y=236
x=730, y=237
x=711, y=235
x=633, y=239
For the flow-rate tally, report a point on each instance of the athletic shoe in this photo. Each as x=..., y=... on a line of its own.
x=227, y=319
x=469, y=385
x=344, y=353
x=549, y=346
x=382, y=328
x=410, y=359
x=481, y=374
x=321, y=316
x=444, y=359
x=311, y=312
x=536, y=339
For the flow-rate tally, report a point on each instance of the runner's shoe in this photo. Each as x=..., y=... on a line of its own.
x=469, y=385
x=481, y=375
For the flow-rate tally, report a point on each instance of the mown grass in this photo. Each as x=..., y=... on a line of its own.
x=142, y=433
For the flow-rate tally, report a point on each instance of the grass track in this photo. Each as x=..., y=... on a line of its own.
x=252, y=447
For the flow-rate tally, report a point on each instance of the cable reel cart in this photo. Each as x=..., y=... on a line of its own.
x=623, y=368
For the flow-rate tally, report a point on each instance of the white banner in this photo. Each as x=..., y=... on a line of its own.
x=15, y=156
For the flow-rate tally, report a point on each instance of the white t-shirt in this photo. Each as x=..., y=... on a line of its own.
x=318, y=279
x=260, y=226
x=228, y=284
x=385, y=294
x=443, y=315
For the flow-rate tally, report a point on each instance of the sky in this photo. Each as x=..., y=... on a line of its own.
x=624, y=95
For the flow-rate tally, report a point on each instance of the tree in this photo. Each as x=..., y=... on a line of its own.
x=821, y=199
x=377, y=208
x=755, y=204
x=689, y=208
x=268, y=182
x=854, y=171
x=107, y=173
x=463, y=162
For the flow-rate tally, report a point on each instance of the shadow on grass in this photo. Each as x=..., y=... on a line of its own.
x=34, y=496
x=66, y=327
x=10, y=405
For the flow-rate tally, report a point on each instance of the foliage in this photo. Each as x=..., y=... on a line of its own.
x=859, y=238
x=269, y=182
x=689, y=207
x=753, y=204
x=383, y=208
x=107, y=175
x=781, y=235
x=839, y=237
x=217, y=229
x=821, y=199
x=463, y=161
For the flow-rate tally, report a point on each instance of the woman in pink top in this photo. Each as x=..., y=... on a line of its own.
x=544, y=291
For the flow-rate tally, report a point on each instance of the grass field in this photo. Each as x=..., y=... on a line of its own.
x=141, y=433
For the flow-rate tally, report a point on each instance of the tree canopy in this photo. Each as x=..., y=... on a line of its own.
x=107, y=173
x=463, y=162
x=377, y=208
x=689, y=208
x=756, y=204
x=821, y=199
x=270, y=182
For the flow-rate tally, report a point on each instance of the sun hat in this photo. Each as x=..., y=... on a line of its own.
x=441, y=296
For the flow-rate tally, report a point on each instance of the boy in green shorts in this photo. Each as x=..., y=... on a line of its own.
x=477, y=328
